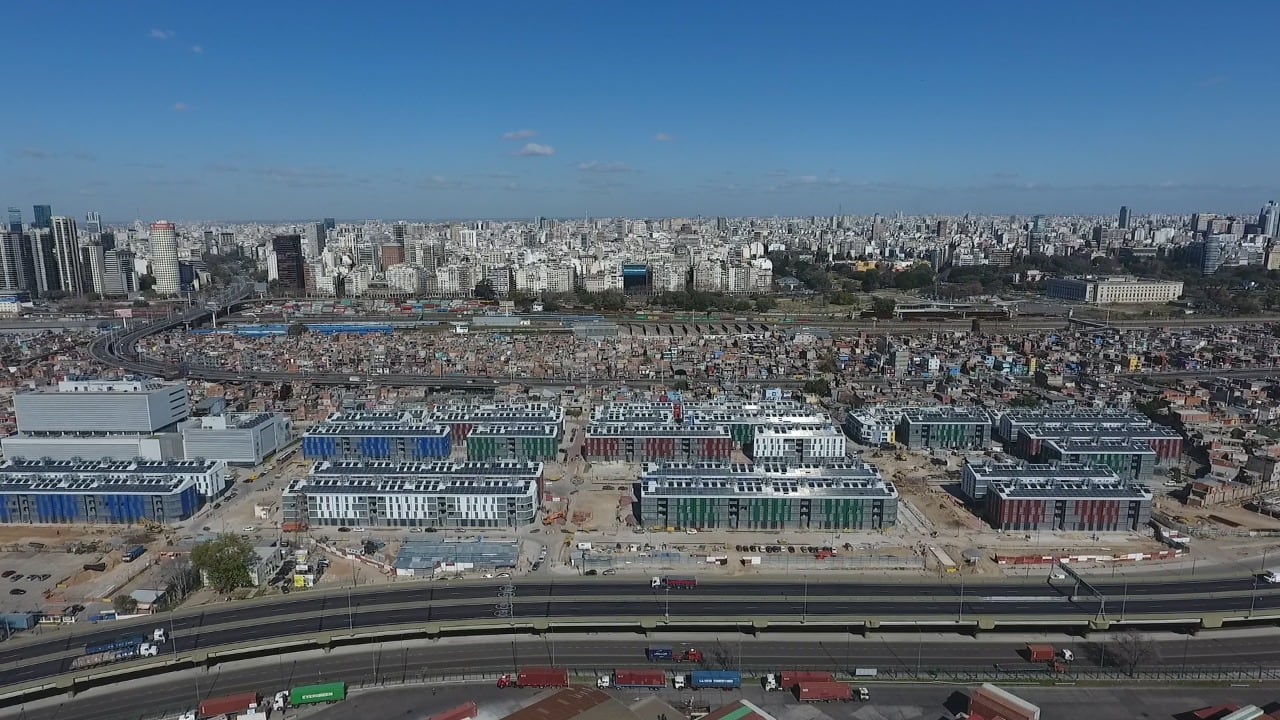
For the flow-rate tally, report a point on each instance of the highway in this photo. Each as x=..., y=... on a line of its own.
x=621, y=601
x=459, y=661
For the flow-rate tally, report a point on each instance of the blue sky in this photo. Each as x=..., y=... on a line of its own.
x=294, y=110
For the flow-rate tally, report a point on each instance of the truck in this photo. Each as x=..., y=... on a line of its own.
x=1271, y=575
x=536, y=677
x=651, y=679
x=1040, y=652
x=316, y=694
x=656, y=654
x=788, y=679
x=107, y=657
x=723, y=679
x=134, y=553
x=95, y=567
x=659, y=654
x=220, y=707
x=673, y=582
x=127, y=641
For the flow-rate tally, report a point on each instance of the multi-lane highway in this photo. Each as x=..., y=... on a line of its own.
x=622, y=601
x=410, y=662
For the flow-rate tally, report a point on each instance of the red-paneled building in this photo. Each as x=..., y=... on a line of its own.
x=641, y=442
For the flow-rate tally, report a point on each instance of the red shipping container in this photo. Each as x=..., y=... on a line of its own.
x=640, y=678
x=791, y=678
x=231, y=704
x=540, y=677
x=823, y=691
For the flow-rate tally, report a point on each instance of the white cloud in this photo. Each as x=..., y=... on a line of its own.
x=536, y=150
x=596, y=166
x=520, y=135
x=179, y=107
x=663, y=137
x=197, y=49
x=158, y=34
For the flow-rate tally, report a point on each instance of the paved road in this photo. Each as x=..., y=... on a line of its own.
x=418, y=603
x=397, y=663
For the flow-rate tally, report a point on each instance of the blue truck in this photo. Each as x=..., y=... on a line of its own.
x=723, y=679
x=656, y=654
x=121, y=643
x=134, y=554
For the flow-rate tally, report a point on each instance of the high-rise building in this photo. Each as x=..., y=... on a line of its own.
x=44, y=265
x=12, y=275
x=392, y=254
x=96, y=261
x=1211, y=249
x=118, y=277
x=43, y=216
x=66, y=252
x=164, y=258
x=1124, y=217
x=1269, y=220
x=330, y=224
x=287, y=250
x=317, y=237
x=15, y=220
x=92, y=223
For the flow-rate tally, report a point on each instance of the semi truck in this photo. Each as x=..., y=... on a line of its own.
x=673, y=582
x=723, y=679
x=316, y=694
x=651, y=679
x=788, y=679
x=829, y=692
x=1039, y=652
x=107, y=657
x=536, y=677
x=127, y=641
x=134, y=553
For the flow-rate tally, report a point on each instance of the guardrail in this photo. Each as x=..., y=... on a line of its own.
x=72, y=682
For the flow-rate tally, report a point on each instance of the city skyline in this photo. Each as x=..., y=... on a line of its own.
x=659, y=110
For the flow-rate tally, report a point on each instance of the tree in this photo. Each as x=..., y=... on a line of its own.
x=765, y=304
x=883, y=307
x=180, y=578
x=484, y=290
x=124, y=605
x=146, y=282
x=817, y=387
x=1129, y=649
x=225, y=561
x=296, y=330
x=1026, y=400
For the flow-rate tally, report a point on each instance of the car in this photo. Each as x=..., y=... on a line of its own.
x=691, y=531
x=249, y=528
x=504, y=574
x=415, y=530
x=17, y=591
x=610, y=571
x=206, y=528
x=430, y=529
x=590, y=572
x=16, y=577
x=344, y=529
x=537, y=564
x=358, y=529
x=7, y=573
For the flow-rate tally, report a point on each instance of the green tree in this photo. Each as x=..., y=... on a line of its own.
x=124, y=604
x=817, y=387
x=883, y=307
x=225, y=560
x=765, y=304
x=296, y=330
x=146, y=282
x=484, y=290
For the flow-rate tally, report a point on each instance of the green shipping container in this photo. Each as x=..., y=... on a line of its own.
x=315, y=694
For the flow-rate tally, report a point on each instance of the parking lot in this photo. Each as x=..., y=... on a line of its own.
x=29, y=578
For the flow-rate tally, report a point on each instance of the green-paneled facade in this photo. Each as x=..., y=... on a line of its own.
x=769, y=513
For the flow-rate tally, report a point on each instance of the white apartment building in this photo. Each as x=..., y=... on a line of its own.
x=1102, y=290
x=798, y=444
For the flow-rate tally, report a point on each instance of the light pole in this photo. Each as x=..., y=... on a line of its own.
x=1125, y=600
x=804, y=617
x=350, y=617
x=667, y=612
x=960, y=615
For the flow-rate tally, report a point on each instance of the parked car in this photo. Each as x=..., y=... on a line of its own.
x=7, y=573
x=17, y=591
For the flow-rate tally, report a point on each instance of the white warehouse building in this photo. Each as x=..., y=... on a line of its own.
x=239, y=438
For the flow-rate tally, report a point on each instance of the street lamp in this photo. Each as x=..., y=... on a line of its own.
x=960, y=615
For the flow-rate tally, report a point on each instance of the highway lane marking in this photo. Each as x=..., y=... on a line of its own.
x=1019, y=599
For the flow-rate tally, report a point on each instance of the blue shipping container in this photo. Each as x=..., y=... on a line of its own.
x=658, y=653
x=715, y=679
x=123, y=643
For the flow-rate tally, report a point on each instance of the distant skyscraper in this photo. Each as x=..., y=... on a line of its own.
x=96, y=260
x=330, y=224
x=12, y=274
x=288, y=259
x=1124, y=217
x=392, y=254
x=315, y=240
x=15, y=220
x=44, y=268
x=1269, y=219
x=164, y=258
x=119, y=278
x=66, y=253
x=43, y=216
x=92, y=223
x=1211, y=251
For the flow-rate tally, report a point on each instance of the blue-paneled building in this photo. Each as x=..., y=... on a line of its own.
x=116, y=493
x=397, y=436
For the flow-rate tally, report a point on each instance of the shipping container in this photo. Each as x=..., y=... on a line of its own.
x=991, y=701
x=1040, y=653
x=122, y=643
x=219, y=708
x=723, y=679
x=791, y=678
x=542, y=677
x=823, y=692
x=640, y=678
x=316, y=694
